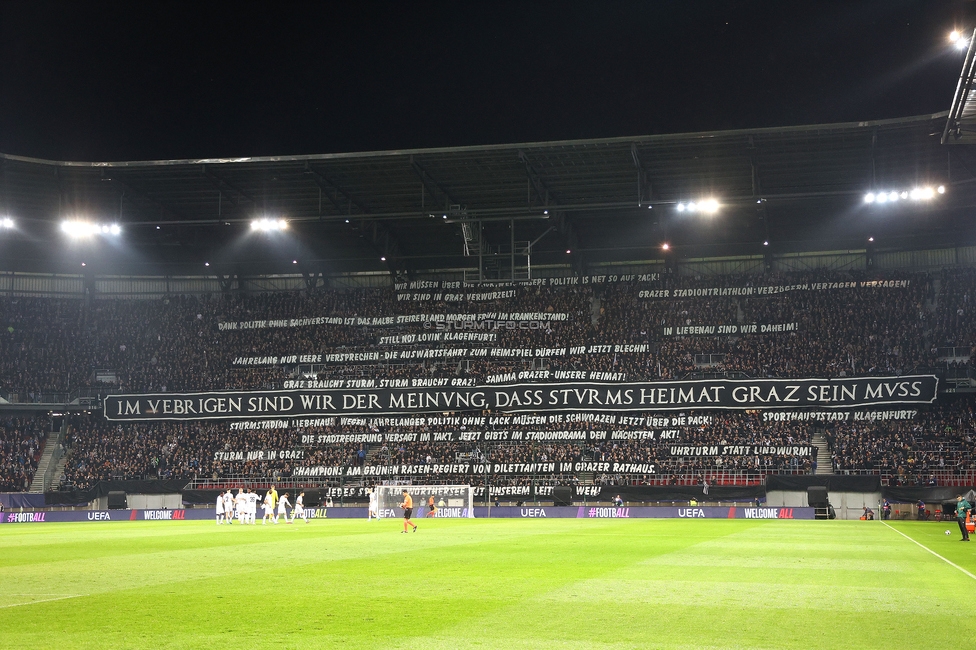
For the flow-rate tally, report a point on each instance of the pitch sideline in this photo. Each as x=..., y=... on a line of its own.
x=946, y=560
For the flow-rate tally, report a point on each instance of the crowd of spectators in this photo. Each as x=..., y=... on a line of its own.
x=184, y=343
x=179, y=344
x=939, y=438
x=21, y=437
x=911, y=451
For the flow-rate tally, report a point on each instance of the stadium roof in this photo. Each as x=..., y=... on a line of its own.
x=799, y=188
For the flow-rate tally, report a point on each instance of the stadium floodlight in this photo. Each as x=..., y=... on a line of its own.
x=708, y=206
x=79, y=229
x=7, y=222
x=705, y=206
x=957, y=40
x=269, y=225
x=918, y=194
x=383, y=259
x=665, y=246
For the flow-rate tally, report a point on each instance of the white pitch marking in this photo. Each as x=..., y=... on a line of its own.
x=947, y=561
x=34, y=602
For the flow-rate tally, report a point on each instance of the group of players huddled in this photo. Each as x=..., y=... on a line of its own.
x=244, y=506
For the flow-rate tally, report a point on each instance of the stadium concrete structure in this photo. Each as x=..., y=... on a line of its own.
x=597, y=233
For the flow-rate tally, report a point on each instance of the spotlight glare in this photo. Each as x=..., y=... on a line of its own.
x=206, y=263
x=962, y=44
x=692, y=206
x=766, y=243
x=954, y=36
x=882, y=197
x=871, y=239
x=681, y=207
x=78, y=229
x=7, y=222
x=892, y=196
x=941, y=189
x=708, y=206
x=568, y=251
x=869, y=197
x=268, y=225
x=665, y=246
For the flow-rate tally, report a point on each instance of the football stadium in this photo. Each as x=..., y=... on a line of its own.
x=698, y=389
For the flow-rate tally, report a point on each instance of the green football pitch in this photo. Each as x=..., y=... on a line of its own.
x=487, y=583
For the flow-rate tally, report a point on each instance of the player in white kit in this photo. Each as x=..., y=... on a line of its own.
x=252, y=505
x=228, y=506
x=299, y=510
x=373, y=512
x=283, y=503
x=268, y=507
x=220, y=508
x=240, y=506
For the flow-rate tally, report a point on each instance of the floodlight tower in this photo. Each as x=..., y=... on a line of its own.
x=961, y=124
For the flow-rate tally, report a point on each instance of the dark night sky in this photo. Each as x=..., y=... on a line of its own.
x=95, y=81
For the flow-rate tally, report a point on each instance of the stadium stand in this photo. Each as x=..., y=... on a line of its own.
x=889, y=324
x=20, y=450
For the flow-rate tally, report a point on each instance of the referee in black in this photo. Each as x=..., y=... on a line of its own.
x=962, y=507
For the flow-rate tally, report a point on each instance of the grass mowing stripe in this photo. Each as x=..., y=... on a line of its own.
x=946, y=560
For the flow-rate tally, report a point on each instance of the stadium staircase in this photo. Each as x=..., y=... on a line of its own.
x=38, y=486
x=825, y=464
x=58, y=473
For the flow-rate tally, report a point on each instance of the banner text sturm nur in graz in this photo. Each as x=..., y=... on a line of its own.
x=533, y=398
